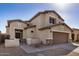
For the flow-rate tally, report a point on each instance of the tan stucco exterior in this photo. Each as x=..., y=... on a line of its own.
x=48, y=33
x=30, y=34
x=43, y=19
x=63, y=28
x=53, y=15
x=40, y=21
x=13, y=26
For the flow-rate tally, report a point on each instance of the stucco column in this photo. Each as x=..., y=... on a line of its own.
x=70, y=38
x=75, y=37
x=51, y=35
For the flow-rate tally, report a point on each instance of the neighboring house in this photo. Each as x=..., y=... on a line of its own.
x=75, y=35
x=47, y=27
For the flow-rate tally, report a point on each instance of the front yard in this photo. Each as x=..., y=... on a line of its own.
x=14, y=51
x=54, y=50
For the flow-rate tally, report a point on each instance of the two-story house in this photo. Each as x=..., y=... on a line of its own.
x=47, y=27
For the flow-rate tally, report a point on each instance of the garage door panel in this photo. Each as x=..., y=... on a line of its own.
x=60, y=37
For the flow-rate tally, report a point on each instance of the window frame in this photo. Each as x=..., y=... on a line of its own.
x=52, y=20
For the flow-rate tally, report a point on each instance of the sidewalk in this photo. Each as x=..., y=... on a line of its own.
x=74, y=52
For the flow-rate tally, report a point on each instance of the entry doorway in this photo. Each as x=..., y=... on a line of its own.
x=18, y=33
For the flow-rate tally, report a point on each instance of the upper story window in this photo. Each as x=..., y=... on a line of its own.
x=52, y=20
x=27, y=24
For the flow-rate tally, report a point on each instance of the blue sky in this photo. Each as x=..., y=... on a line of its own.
x=25, y=11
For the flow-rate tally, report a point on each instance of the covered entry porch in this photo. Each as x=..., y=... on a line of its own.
x=19, y=35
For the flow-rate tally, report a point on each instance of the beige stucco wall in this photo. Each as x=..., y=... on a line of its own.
x=62, y=28
x=34, y=39
x=48, y=33
x=38, y=20
x=29, y=34
x=15, y=25
x=12, y=43
x=43, y=19
x=45, y=34
x=31, y=41
x=24, y=34
x=53, y=15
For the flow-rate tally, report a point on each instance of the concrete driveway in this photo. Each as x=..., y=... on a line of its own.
x=53, y=50
x=11, y=51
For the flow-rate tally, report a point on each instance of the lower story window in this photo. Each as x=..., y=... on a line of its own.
x=17, y=35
